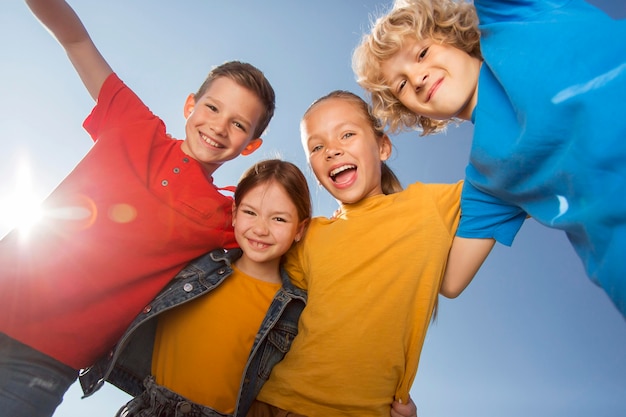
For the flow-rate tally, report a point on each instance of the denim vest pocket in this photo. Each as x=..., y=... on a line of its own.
x=278, y=343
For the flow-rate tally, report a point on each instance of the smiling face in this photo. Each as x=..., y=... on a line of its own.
x=220, y=123
x=438, y=81
x=343, y=150
x=266, y=224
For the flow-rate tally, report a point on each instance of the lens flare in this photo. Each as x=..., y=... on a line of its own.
x=20, y=208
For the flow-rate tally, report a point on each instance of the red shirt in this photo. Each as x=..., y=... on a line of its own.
x=131, y=215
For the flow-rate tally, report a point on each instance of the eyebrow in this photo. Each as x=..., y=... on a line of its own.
x=344, y=125
x=273, y=213
x=313, y=138
x=236, y=116
x=282, y=214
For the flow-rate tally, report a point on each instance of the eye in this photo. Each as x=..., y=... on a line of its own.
x=248, y=212
x=316, y=148
x=280, y=219
x=401, y=85
x=422, y=54
x=347, y=135
x=240, y=126
x=212, y=107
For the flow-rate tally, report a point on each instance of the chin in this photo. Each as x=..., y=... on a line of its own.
x=348, y=199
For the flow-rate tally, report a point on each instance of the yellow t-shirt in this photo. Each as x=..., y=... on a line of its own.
x=373, y=276
x=201, y=348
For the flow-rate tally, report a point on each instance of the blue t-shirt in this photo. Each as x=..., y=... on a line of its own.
x=550, y=131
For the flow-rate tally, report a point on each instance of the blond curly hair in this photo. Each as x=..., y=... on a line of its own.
x=446, y=21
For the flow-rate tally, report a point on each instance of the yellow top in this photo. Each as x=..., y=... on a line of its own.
x=373, y=276
x=201, y=348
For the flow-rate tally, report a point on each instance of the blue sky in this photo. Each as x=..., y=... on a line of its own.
x=530, y=336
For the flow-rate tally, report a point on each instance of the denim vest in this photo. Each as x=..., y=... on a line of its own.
x=130, y=361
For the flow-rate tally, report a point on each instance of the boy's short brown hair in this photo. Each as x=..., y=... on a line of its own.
x=251, y=78
x=449, y=22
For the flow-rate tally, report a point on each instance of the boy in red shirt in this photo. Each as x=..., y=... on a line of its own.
x=133, y=213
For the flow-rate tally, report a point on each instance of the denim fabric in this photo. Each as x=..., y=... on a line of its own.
x=32, y=384
x=158, y=401
x=129, y=363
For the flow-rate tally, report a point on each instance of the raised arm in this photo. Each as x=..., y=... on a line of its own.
x=464, y=260
x=65, y=25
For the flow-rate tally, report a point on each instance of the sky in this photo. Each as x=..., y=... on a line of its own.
x=530, y=336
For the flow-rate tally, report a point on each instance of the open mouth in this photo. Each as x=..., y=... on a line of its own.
x=257, y=244
x=210, y=141
x=342, y=174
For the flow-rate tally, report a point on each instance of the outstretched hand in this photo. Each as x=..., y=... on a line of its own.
x=403, y=410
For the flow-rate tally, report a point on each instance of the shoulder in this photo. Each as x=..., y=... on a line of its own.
x=434, y=189
x=213, y=259
x=111, y=86
x=117, y=105
x=290, y=288
x=225, y=255
x=494, y=11
x=320, y=221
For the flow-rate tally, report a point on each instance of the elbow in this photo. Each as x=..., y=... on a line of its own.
x=450, y=292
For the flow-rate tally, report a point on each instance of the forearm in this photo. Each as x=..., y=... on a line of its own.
x=60, y=19
x=65, y=25
x=464, y=260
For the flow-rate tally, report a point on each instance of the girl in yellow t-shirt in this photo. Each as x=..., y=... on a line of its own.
x=373, y=273
x=203, y=349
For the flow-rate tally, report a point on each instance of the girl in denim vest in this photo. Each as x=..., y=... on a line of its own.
x=235, y=313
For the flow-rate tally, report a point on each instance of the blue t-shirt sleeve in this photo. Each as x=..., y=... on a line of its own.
x=494, y=11
x=484, y=216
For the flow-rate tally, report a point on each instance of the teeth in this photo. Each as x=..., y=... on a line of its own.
x=210, y=141
x=258, y=244
x=336, y=171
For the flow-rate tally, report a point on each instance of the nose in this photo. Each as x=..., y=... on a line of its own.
x=260, y=227
x=219, y=126
x=419, y=80
x=332, y=152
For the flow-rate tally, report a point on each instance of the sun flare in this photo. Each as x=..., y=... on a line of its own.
x=20, y=207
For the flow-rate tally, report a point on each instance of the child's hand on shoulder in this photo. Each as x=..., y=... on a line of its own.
x=336, y=214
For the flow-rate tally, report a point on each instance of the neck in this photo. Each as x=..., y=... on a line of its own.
x=208, y=168
x=263, y=271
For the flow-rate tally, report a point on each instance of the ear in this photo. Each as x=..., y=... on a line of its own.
x=253, y=145
x=385, y=148
x=234, y=214
x=301, y=230
x=190, y=103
